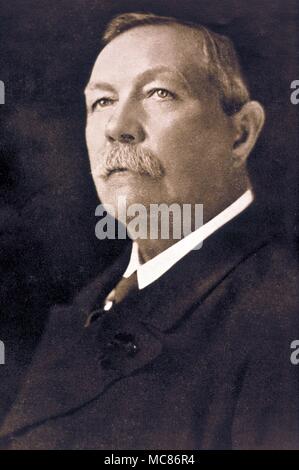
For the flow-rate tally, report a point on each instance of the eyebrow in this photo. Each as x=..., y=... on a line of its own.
x=92, y=86
x=149, y=74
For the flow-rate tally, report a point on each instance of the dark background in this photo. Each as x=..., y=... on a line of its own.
x=48, y=249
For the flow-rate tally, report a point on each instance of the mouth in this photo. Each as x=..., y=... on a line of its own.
x=105, y=175
x=117, y=170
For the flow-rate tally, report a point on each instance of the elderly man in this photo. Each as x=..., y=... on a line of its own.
x=174, y=347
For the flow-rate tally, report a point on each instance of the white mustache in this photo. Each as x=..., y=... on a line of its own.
x=128, y=157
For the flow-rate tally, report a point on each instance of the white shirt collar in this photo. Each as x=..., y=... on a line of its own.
x=157, y=266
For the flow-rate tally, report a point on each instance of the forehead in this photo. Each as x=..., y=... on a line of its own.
x=145, y=48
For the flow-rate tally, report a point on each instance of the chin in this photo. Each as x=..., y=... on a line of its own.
x=131, y=190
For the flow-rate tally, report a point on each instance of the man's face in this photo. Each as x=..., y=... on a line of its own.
x=149, y=91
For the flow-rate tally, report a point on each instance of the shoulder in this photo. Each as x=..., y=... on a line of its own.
x=265, y=290
x=72, y=316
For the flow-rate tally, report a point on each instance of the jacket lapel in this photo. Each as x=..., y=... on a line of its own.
x=165, y=303
x=75, y=364
x=70, y=365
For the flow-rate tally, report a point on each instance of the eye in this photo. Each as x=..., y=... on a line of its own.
x=102, y=103
x=161, y=93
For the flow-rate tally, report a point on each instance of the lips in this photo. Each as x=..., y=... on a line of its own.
x=117, y=170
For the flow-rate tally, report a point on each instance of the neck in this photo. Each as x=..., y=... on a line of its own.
x=149, y=248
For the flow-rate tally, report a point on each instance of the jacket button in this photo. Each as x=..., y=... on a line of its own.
x=131, y=349
x=127, y=343
x=122, y=345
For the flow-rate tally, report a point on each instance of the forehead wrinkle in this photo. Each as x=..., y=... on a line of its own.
x=151, y=74
x=96, y=85
x=185, y=39
x=146, y=76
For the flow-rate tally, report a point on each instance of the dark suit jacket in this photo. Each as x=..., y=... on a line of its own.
x=210, y=368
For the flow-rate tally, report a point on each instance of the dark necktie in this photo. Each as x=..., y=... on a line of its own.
x=123, y=288
x=121, y=291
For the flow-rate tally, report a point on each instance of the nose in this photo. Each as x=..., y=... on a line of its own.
x=126, y=138
x=124, y=125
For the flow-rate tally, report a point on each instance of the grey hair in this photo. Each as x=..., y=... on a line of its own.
x=223, y=68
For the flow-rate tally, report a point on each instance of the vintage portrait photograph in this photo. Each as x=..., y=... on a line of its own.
x=149, y=228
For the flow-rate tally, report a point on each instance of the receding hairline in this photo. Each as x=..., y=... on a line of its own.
x=219, y=57
x=175, y=27
x=91, y=85
x=130, y=21
x=174, y=24
x=197, y=31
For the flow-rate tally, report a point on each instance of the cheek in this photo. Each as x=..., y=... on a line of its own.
x=94, y=141
x=191, y=144
x=192, y=131
x=95, y=134
x=180, y=136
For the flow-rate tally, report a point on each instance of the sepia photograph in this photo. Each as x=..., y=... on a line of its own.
x=149, y=227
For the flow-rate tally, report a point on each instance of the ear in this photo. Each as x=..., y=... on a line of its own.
x=248, y=123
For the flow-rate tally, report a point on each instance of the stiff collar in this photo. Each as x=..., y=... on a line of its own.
x=153, y=269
